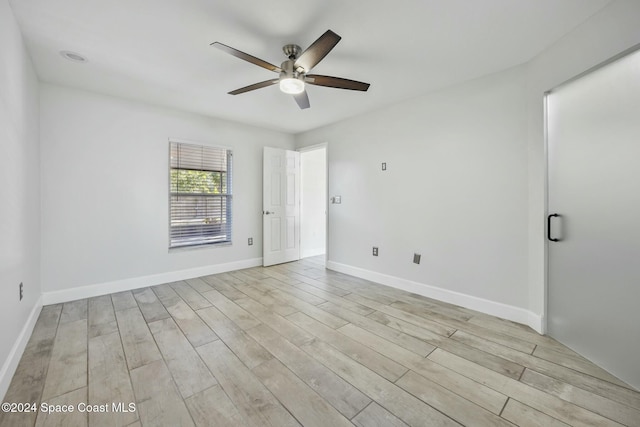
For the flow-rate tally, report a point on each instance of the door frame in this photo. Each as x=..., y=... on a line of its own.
x=325, y=146
x=545, y=320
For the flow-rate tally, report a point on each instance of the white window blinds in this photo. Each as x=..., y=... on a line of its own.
x=200, y=195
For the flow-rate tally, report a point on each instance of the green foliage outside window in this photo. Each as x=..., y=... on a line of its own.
x=198, y=182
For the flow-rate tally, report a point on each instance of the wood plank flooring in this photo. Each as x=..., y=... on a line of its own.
x=296, y=344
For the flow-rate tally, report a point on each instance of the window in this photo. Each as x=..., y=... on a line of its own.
x=200, y=195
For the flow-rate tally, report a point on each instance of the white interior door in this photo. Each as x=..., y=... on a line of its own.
x=594, y=206
x=281, y=206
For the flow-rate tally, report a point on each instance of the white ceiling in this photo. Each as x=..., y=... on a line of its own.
x=158, y=51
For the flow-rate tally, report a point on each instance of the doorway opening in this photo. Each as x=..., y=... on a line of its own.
x=313, y=203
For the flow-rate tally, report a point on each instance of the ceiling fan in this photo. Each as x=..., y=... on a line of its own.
x=293, y=71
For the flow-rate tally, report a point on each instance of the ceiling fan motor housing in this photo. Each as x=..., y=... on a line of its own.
x=289, y=70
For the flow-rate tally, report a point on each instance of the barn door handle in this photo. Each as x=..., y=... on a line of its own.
x=555, y=215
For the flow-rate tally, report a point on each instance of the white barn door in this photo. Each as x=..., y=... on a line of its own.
x=281, y=206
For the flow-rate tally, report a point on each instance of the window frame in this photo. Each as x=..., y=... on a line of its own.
x=227, y=197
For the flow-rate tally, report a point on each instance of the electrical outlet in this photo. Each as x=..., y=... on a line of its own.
x=250, y=241
x=375, y=251
x=384, y=166
x=416, y=258
x=20, y=288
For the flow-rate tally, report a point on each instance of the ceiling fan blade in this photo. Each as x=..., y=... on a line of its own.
x=245, y=56
x=254, y=86
x=318, y=50
x=336, y=82
x=302, y=99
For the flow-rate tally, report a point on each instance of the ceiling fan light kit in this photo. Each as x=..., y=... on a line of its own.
x=291, y=85
x=293, y=71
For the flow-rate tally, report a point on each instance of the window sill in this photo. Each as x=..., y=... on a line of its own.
x=200, y=246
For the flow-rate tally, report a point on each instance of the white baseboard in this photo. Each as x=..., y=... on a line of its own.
x=95, y=290
x=504, y=311
x=11, y=363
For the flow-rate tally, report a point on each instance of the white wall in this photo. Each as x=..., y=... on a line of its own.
x=313, y=186
x=19, y=196
x=455, y=190
x=105, y=196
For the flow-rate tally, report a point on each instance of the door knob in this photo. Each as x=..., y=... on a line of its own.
x=268, y=213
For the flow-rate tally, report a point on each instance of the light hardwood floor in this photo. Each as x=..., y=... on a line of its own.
x=296, y=344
